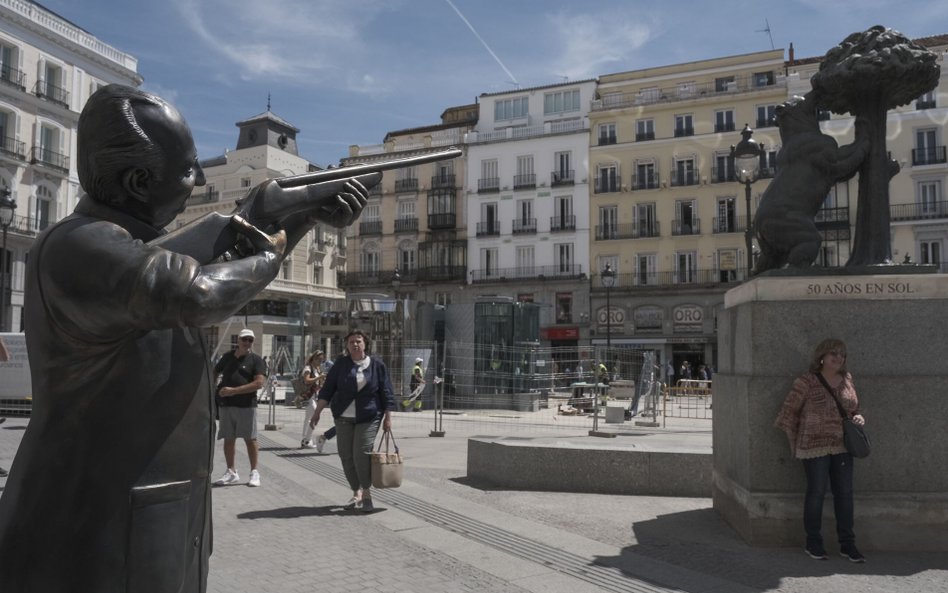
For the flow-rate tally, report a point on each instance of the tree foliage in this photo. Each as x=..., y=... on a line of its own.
x=879, y=67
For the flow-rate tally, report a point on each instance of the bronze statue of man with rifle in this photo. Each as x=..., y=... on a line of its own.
x=110, y=491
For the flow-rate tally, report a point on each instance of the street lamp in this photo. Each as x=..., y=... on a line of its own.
x=746, y=157
x=397, y=352
x=608, y=280
x=7, y=211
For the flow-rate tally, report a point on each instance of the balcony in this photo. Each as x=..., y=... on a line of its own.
x=683, y=178
x=740, y=84
x=768, y=172
x=51, y=93
x=13, y=77
x=370, y=227
x=405, y=185
x=490, y=228
x=443, y=181
x=442, y=273
x=406, y=225
x=832, y=217
x=729, y=224
x=372, y=278
x=442, y=221
x=570, y=126
x=560, y=272
x=562, y=223
x=28, y=225
x=488, y=185
x=13, y=148
x=525, y=181
x=647, y=181
x=724, y=127
x=695, y=278
x=206, y=197
x=558, y=178
x=682, y=132
x=918, y=211
x=644, y=136
x=722, y=174
x=930, y=155
x=606, y=186
x=49, y=159
x=631, y=230
x=684, y=227
x=925, y=104
x=524, y=226
x=607, y=139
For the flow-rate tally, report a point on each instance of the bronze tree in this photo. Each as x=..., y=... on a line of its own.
x=866, y=75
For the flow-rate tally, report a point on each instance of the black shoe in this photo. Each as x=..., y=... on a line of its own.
x=816, y=551
x=852, y=554
x=367, y=506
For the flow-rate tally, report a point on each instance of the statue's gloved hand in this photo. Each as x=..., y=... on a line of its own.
x=346, y=206
x=258, y=240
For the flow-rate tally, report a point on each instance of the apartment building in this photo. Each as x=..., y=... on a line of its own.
x=527, y=193
x=409, y=246
x=48, y=68
x=294, y=314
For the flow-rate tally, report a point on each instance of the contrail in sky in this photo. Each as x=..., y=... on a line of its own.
x=484, y=43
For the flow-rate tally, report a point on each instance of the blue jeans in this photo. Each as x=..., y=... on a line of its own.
x=354, y=443
x=838, y=471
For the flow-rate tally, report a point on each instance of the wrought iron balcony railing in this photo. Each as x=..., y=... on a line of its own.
x=630, y=230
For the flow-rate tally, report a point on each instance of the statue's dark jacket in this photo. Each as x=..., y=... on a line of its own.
x=110, y=489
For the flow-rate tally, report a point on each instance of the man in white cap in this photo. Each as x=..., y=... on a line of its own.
x=242, y=372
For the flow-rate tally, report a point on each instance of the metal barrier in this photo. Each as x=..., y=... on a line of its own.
x=690, y=398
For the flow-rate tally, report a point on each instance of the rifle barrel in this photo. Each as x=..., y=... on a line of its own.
x=366, y=168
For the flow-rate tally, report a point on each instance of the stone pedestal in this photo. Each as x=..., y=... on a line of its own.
x=894, y=329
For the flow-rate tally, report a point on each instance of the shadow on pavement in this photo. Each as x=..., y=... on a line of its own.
x=701, y=541
x=302, y=511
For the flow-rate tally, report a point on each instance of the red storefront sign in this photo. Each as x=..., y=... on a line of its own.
x=559, y=333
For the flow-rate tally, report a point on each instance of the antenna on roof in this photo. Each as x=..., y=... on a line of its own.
x=268, y=101
x=767, y=31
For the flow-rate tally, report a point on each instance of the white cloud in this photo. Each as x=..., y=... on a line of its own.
x=596, y=43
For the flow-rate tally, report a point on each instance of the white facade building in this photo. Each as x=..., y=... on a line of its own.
x=48, y=69
x=527, y=192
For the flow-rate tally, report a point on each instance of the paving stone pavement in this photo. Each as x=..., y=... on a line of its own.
x=440, y=532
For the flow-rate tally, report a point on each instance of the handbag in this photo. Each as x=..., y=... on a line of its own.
x=387, y=465
x=855, y=438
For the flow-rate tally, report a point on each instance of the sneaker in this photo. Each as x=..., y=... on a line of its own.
x=367, y=506
x=354, y=503
x=816, y=551
x=254, y=478
x=307, y=445
x=852, y=554
x=229, y=477
x=320, y=443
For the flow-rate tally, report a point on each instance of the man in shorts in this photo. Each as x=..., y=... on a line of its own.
x=242, y=373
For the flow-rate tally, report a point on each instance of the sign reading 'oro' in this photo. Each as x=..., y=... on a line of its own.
x=688, y=315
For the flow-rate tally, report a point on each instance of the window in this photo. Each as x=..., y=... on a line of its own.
x=608, y=222
x=563, y=218
x=686, y=89
x=612, y=100
x=406, y=209
x=52, y=83
x=561, y=102
x=525, y=260
x=645, y=177
x=726, y=220
x=686, y=271
x=926, y=101
x=286, y=267
x=686, y=221
x=511, y=108
x=318, y=273
x=564, y=307
x=764, y=78
x=371, y=213
x=407, y=256
x=929, y=196
x=724, y=84
x=607, y=134
x=49, y=147
x=723, y=168
x=766, y=116
x=490, y=178
x=607, y=179
x=9, y=60
x=563, y=254
x=525, y=211
x=684, y=125
x=927, y=152
x=768, y=164
x=489, y=261
x=724, y=120
x=245, y=181
x=43, y=208
x=645, y=269
x=646, y=223
x=644, y=130
x=930, y=252
x=369, y=259
x=563, y=167
x=441, y=202
x=489, y=224
x=525, y=176
x=684, y=173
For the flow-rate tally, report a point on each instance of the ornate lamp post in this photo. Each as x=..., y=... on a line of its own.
x=608, y=279
x=7, y=211
x=397, y=350
x=746, y=157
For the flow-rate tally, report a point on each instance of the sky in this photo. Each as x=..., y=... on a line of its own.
x=350, y=71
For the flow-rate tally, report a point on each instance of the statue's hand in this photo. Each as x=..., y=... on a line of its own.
x=345, y=206
x=260, y=241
